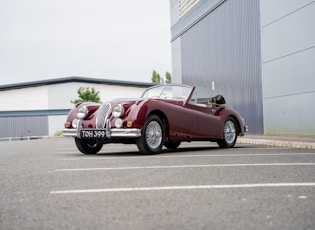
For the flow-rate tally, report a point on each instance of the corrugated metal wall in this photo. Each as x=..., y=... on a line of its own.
x=23, y=126
x=224, y=47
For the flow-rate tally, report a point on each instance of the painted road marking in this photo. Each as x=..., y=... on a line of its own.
x=182, y=156
x=185, y=166
x=231, y=186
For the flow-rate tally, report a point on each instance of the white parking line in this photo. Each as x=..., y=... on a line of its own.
x=231, y=186
x=104, y=157
x=184, y=166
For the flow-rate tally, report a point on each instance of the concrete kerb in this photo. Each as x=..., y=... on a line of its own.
x=269, y=141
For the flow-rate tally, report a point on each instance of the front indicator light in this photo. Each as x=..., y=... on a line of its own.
x=129, y=124
x=68, y=124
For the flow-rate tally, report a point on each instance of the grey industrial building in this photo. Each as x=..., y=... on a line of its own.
x=260, y=54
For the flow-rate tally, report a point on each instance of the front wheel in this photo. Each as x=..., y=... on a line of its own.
x=88, y=146
x=229, y=134
x=152, y=136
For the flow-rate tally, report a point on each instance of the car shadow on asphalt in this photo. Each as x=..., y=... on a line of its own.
x=163, y=152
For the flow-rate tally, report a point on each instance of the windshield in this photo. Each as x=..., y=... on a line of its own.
x=173, y=92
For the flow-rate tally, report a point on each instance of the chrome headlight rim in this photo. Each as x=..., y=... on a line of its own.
x=118, y=110
x=82, y=111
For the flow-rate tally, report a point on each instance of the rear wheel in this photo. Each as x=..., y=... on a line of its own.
x=230, y=133
x=88, y=146
x=152, y=136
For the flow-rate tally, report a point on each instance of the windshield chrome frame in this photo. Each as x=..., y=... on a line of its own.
x=163, y=88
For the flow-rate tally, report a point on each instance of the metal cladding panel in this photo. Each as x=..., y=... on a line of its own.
x=290, y=114
x=288, y=62
x=224, y=47
x=23, y=126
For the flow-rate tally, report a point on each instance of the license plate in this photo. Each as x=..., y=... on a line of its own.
x=93, y=133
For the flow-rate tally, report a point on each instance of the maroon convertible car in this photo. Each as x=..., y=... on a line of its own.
x=165, y=115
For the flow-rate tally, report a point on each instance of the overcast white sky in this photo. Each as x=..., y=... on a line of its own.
x=109, y=39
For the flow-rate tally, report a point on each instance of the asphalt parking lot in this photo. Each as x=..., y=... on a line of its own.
x=48, y=184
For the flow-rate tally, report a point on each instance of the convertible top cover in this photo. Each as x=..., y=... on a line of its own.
x=218, y=99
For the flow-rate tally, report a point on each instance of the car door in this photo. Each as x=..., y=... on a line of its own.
x=207, y=124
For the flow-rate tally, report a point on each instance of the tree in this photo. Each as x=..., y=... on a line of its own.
x=156, y=78
x=87, y=94
x=168, y=77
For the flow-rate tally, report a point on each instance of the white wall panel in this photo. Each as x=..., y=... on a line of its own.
x=176, y=61
x=33, y=98
x=174, y=11
x=272, y=10
x=292, y=114
x=291, y=34
x=288, y=61
x=291, y=75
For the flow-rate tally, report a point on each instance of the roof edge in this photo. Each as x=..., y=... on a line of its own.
x=73, y=79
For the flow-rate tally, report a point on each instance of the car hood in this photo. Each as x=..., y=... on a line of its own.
x=125, y=101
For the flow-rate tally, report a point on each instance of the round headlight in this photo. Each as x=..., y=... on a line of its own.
x=118, y=110
x=82, y=111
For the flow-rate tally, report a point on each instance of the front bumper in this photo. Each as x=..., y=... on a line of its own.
x=110, y=133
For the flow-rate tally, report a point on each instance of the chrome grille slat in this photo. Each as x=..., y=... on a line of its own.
x=102, y=115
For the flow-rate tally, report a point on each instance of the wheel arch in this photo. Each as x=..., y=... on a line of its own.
x=164, y=119
x=239, y=130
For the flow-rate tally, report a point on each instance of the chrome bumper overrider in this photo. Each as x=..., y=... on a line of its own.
x=123, y=133
x=245, y=126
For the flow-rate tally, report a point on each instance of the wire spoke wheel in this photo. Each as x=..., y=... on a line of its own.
x=153, y=134
x=229, y=132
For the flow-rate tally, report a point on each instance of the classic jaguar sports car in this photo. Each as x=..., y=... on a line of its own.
x=165, y=115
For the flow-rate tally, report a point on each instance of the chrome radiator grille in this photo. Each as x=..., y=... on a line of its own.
x=102, y=115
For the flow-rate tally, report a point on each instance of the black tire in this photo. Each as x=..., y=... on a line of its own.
x=172, y=144
x=88, y=146
x=152, y=136
x=230, y=132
